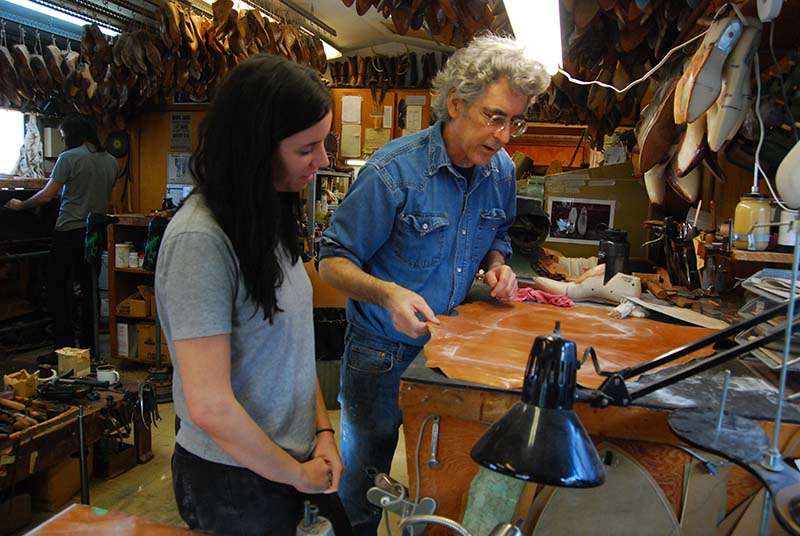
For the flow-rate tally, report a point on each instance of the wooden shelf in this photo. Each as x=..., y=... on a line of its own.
x=128, y=317
x=134, y=271
x=164, y=362
x=762, y=256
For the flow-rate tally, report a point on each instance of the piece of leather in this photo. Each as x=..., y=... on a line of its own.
x=44, y=82
x=656, y=129
x=488, y=343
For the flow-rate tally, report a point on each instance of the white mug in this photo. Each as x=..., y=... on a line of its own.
x=107, y=373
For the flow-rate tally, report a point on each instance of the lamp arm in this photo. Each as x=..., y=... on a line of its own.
x=715, y=337
x=614, y=391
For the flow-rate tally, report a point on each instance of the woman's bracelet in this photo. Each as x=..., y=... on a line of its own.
x=331, y=430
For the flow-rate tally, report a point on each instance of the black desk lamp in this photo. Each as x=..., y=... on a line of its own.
x=541, y=439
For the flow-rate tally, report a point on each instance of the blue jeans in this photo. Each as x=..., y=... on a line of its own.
x=370, y=385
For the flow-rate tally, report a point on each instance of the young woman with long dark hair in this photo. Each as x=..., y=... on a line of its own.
x=235, y=303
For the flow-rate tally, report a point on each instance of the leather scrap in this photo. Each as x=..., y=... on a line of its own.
x=488, y=343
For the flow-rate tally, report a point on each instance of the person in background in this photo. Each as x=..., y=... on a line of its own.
x=425, y=214
x=235, y=304
x=84, y=175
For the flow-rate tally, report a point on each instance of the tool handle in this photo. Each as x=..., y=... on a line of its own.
x=11, y=404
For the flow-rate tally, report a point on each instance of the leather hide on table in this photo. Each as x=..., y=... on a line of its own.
x=488, y=343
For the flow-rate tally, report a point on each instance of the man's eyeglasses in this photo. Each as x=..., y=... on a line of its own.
x=517, y=127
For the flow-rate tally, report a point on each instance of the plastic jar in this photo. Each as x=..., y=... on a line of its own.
x=753, y=209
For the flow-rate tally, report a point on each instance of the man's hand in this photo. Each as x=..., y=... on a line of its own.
x=403, y=305
x=503, y=282
x=326, y=449
x=14, y=204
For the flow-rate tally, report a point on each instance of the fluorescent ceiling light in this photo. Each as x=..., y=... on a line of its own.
x=355, y=162
x=60, y=15
x=330, y=52
x=537, y=27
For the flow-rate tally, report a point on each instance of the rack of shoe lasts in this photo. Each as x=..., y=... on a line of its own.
x=380, y=72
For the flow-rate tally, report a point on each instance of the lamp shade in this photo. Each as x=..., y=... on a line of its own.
x=541, y=439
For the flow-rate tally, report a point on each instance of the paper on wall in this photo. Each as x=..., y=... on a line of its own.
x=375, y=138
x=413, y=119
x=351, y=140
x=387, y=116
x=351, y=109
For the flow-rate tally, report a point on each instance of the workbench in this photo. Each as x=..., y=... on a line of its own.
x=42, y=446
x=81, y=519
x=466, y=410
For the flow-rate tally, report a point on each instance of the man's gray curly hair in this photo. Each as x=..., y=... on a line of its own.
x=487, y=59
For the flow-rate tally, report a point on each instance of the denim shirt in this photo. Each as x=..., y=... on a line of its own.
x=411, y=218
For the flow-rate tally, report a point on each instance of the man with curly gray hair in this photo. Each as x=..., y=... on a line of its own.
x=427, y=212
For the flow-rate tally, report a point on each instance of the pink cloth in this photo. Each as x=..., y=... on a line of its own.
x=539, y=296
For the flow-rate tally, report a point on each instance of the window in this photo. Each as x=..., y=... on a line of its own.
x=12, y=136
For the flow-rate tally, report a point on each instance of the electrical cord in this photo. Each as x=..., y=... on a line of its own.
x=649, y=73
x=416, y=474
x=644, y=77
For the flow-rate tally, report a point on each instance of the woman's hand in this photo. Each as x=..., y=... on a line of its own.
x=315, y=476
x=326, y=449
x=14, y=204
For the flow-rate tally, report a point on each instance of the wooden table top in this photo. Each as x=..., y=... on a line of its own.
x=81, y=519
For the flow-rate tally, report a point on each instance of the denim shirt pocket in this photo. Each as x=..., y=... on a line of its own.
x=488, y=223
x=419, y=239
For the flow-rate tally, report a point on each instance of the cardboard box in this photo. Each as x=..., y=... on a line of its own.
x=146, y=343
x=76, y=359
x=22, y=382
x=126, y=340
x=137, y=305
x=53, y=487
x=112, y=459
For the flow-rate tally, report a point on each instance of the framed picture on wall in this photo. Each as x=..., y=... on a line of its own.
x=580, y=221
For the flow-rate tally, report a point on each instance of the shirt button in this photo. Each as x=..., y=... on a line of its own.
x=458, y=270
x=463, y=231
x=424, y=225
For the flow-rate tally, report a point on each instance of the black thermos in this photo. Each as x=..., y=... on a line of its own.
x=614, y=251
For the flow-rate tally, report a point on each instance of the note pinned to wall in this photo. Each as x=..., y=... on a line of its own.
x=387, y=116
x=351, y=140
x=375, y=138
x=413, y=119
x=351, y=109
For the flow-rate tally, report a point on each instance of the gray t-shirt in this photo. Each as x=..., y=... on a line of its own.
x=88, y=178
x=200, y=293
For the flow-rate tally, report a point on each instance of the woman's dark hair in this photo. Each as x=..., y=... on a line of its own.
x=77, y=130
x=264, y=100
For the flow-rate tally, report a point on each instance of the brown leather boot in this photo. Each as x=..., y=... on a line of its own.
x=344, y=73
x=402, y=70
x=391, y=72
x=353, y=69
x=412, y=66
x=336, y=73
x=362, y=69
